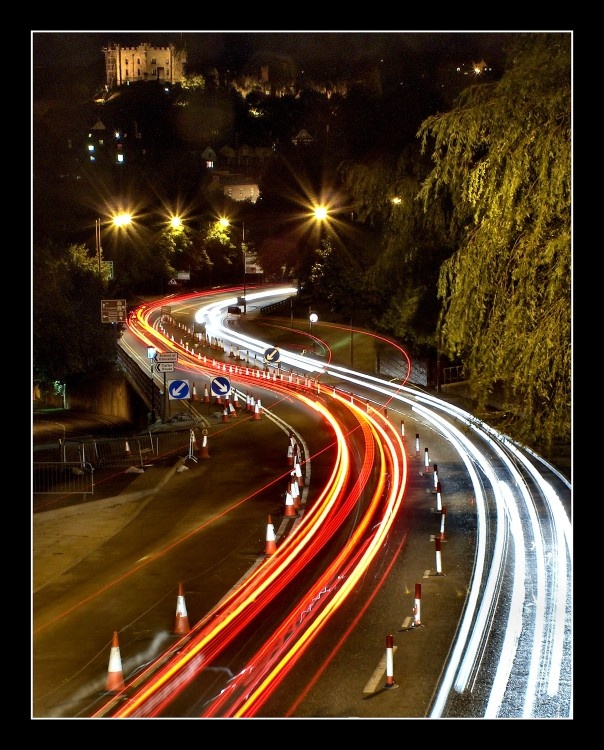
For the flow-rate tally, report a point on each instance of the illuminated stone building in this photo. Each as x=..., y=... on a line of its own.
x=124, y=65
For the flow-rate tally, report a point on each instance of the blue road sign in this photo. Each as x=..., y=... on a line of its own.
x=271, y=354
x=221, y=386
x=178, y=389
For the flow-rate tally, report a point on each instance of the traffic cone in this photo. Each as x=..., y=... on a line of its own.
x=225, y=414
x=193, y=442
x=127, y=450
x=206, y=395
x=299, y=477
x=232, y=412
x=236, y=401
x=295, y=492
x=289, y=505
x=115, y=679
x=271, y=545
x=257, y=409
x=204, y=447
x=194, y=393
x=181, y=626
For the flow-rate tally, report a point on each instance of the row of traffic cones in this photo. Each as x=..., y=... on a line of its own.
x=115, y=677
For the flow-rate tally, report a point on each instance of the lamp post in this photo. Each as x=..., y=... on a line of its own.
x=99, y=249
x=244, y=249
x=151, y=352
x=225, y=223
x=312, y=318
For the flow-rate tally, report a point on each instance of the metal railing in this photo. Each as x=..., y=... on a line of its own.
x=63, y=477
x=70, y=465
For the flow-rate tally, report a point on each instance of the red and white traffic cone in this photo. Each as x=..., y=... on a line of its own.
x=426, y=461
x=290, y=455
x=127, y=450
x=289, y=506
x=442, y=523
x=206, y=395
x=439, y=500
x=257, y=409
x=390, y=683
x=417, y=445
x=232, y=412
x=402, y=429
x=295, y=491
x=417, y=606
x=435, y=471
x=236, y=401
x=181, y=625
x=271, y=544
x=194, y=393
x=225, y=414
x=439, y=567
x=298, y=472
x=204, y=447
x=115, y=678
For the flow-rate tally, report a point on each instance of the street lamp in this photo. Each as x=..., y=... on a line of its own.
x=312, y=318
x=119, y=220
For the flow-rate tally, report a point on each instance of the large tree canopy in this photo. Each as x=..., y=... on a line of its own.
x=502, y=162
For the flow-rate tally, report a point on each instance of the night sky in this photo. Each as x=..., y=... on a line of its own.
x=210, y=47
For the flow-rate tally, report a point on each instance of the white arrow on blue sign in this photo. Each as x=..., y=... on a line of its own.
x=178, y=389
x=271, y=354
x=221, y=386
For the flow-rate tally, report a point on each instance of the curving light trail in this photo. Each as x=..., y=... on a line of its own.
x=522, y=578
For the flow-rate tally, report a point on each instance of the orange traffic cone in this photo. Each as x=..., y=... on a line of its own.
x=232, y=412
x=271, y=545
x=225, y=415
x=181, y=626
x=204, y=447
x=206, y=395
x=289, y=505
x=295, y=492
x=115, y=679
x=127, y=450
x=257, y=409
x=298, y=473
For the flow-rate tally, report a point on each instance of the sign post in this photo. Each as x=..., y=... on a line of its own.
x=165, y=363
x=113, y=310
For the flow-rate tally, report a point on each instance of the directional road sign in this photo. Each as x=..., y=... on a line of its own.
x=165, y=367
x=271, y=354
x=166, y=357
x=113, y=311
x=178, y=389
x=221, y=386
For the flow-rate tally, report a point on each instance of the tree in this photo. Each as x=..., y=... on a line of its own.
x=502, y=165
x=69, y=339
